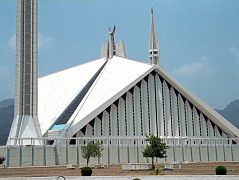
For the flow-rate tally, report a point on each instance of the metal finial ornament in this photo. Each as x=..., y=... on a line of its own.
x=112, y=41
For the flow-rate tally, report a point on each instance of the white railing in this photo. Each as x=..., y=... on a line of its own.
x=171, y=141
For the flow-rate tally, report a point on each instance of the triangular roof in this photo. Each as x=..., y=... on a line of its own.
x=117, y=77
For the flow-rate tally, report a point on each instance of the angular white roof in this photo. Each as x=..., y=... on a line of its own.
x=119, y=75
x=57, y=90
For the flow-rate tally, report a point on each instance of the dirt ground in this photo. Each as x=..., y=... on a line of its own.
x=116, y=170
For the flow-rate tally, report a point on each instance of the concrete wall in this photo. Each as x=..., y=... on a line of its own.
x=120, y=151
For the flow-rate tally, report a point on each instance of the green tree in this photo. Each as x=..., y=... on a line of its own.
x=155, y=148
x=91, y=149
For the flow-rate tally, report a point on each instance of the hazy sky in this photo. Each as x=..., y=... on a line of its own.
x=199, y=40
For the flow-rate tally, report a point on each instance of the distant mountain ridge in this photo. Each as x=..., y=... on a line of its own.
x=6, y=103
x=6, y=117
x=230, y=112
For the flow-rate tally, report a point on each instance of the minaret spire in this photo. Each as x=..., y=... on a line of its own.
x=153, y=44
x=25, y=123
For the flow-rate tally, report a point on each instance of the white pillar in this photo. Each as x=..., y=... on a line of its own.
x=152, y=104
x=182, y=116
x=175, y=113
x=189, y=119
x=196, y=122
x=129, y=113
x=167, y=110
x=145, y=106
x=159, y=106
x=137, y=112
x=210, y=129
x=121, y=107
x=97, y=127
x=113, y=120
x=88, y=131
x=105, y=120
x=203, y=125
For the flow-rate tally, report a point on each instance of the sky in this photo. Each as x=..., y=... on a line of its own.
x=198, y=40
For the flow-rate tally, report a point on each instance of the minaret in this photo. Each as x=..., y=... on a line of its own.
x=153, y=44
x=25, y=123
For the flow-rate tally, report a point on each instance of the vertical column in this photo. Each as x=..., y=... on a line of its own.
x=203, y=125
x=210, y=129
x=159, y=101
x=152, y=104
x=137, y=110
x=167, y=110
x=129, y=113
x=196, y=122
x=105, y=120
x=175, y=113
x=145, y=106
x=121, y=109
x=97, y=127
x=189, y=119
x=89, y=131
x=182, y=116
x=113, y=118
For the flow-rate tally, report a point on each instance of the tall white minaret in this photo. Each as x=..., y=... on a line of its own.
x=25, y=123
x=153, y=44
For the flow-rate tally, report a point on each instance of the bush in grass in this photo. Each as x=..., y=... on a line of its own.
x=157, y=171
x=221, y=170
x=86, y=171
x=2, y=159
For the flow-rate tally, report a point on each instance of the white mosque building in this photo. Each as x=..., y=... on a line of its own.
x=120, y=97
x=118, y=101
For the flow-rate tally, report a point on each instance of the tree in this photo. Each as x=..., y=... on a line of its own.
x=155, y=148
x=91, y=149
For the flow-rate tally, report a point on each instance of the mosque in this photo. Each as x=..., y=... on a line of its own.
x=113, y=99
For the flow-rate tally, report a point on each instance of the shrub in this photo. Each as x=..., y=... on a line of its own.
x=221, y=170
x=157, y=171
x=2, y=159
x=86, y=171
